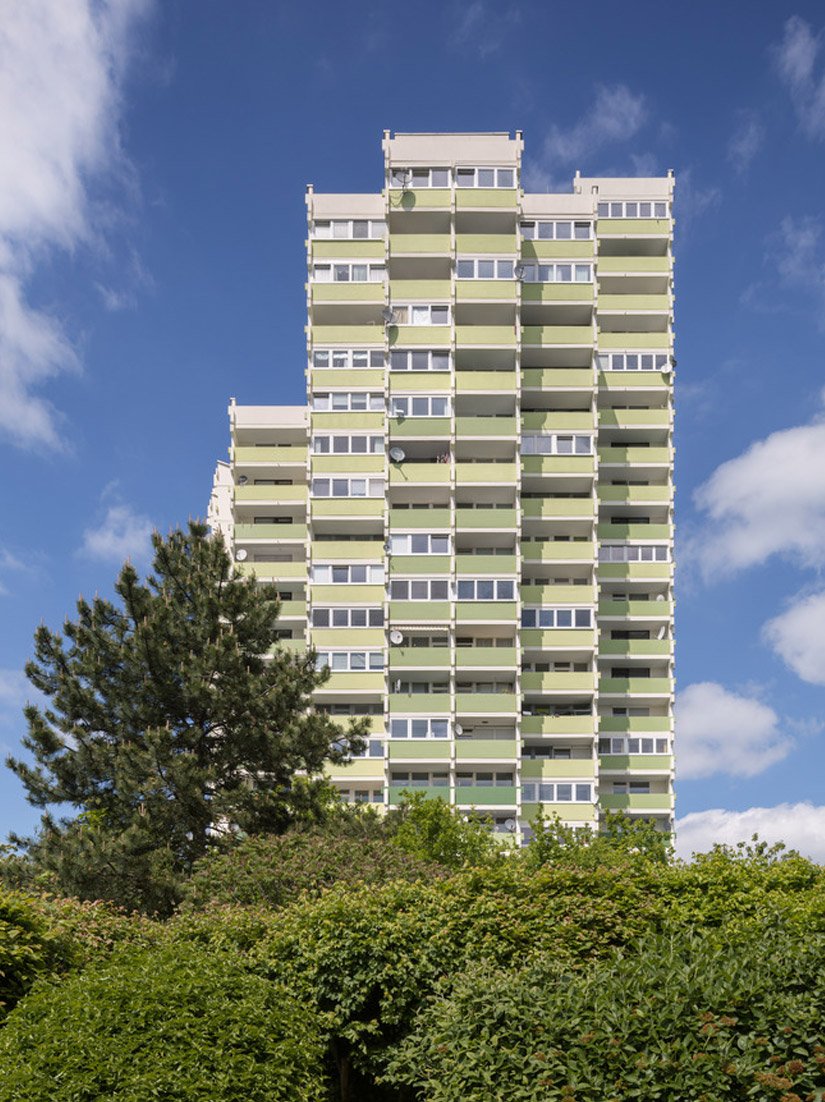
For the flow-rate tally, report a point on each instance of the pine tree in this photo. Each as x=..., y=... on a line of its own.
x=173, y=719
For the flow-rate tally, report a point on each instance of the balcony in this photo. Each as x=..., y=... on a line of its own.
x=420, y=244
x=621, y=304
x=485, y=426
x=485, y=290
x=636, y=763
x=358, y=594
x=485, y=796
x=633, y=570
x=639, y=610
x=359, y=768
x=617, y=340
x=634, y=227
x=559, y=725
x=486, y=382
x=355, y=421
x=349, y=550
x=637, y=648
x=557, y=421
x=485, y=750
x=566, y=812
x=419, y=658
x=575, y=683
x=634, y=418
x=419, y=612
x=659, y=494
x=271, y=533
x=552, y=250
x=355, y=335
x=347, y=249
x=485, y=658
x=351, y=507
x=270, y=456
x=627, y=265
x=550, y=508
x=634, y=532
x=482, y=198
x=419, y=564
x=484, y=519
x=485, y=612
x=558, y=551
x=285, y=570
x=557, y=378
x=410, y=704
x=420, y=750
x=557, y=638
x=486, y=244
x=635, y=686
x=467, y=704
x=419, y=474
x=413, y=519
x=550, y=769
x=558, y=464
x=498, y=565
x=421, y=290
x=642, y=801
x=269, y=494
x=486, y=473
x=432, y=792
x=419, y=428
x=485, y=336
x=349, y=683
x=641, y=457
x=547, y=336
x=347, y=464
x=555, y=594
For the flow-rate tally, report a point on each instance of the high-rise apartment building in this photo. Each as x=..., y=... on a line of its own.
x=471, y=519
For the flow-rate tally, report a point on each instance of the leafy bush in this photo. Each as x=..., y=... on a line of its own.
x=683, y=1017
x=431, y=830
x=175, y=1023
x=28, y=947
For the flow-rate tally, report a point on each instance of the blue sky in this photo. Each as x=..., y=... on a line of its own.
x=153, y=160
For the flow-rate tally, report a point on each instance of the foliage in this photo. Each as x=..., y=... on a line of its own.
x=682, y=1016
x=273, y=870
x=28, y=948
x=175, y=1023
x=166, y=725
x=431, y=830
x=621, y=838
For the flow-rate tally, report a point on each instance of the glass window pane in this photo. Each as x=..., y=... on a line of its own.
x=603, y=210
x=440, y=361
x=564, y=273
x=360, y=228
x=320, y=359
x=340, y=487
x=440, y=315
x=340, y=445
x=340, y=574
x=418, y=728
x=486, y=269
x=631, y=210
x=439, y=177
x=504, y=269
x=440, y=545
x=582, y=273
x=419, y=361
x=582, y=445
x=398, y=728
x=564, y=445
x=465, y=269
x=357, y=660
x=506, y=177
x=466, y=591
x=660, y=210
x=581, y=231
x=465, y=177
x=439, y=728
x=420, y=315
x=486, y=177
x=340, y=273
x=338, y=661
x=439, y=407
x=418, y=591
x=564, y=618
x=616, y=210
x=582, y=792
x=357, y=618
x=645, y=210
x=420, y=407
x=439, y=591
x=564, y=231
x=358, y=487
x=485, y=590
x=582, y=617
x=419, y=545
x=505, y=591
x=358, y=445
x=546, y=230
x=564, y=793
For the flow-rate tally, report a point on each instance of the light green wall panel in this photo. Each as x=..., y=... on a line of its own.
x=473, y=198
x=419, y=750
x=633, y=227
x=347, y=464
x=348, y=595
x=558, y=725
x=485, y=336
x=500, y=565
x=581, y=768
x=492, y=612
x=419, y=612
x=467, y=750
x=548, y=336
x=347, y=292
x=412, y=704
x=420, y=564
x=484, y=796
x=347, y=250
x=486, y=704
x=557, y=378
x=407, y=520
x=468, y=658
x=557, y=292
x=562, y=250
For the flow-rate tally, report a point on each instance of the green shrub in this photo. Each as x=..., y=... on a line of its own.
x=176, y=1023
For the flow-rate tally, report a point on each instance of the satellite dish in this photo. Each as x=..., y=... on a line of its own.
x=518, y=271
x=241, y=554
x=396, y=637
x=405, y=176
x=459, y=730
x=510, y=824
x=667, y=367
x=388, y=315
x=397, y=455
x=660, y=596
x=662, y=632
x=242, y=480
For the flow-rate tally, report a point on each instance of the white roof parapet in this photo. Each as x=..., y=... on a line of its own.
x=343, y=206
x=492, y=149
x=626, y=187
x=539, y=204
x=271, y=416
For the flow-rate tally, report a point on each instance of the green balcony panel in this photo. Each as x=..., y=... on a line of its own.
x=636, y=686
x=485, y=336
x=638, y=647
x=634, y=303
x=484, y=518
x=293, y=610
x=635, y=380
x=634, y=725
x=473, y=198
x=347, y=250
x=486, y=749
x=419, y=474
x=558, y=551
x=558, y=464
x=632, y=418
x=548, y=336
x=402, y=520
x=427, y=382
x=499, y=565
x=558, y=682
x=285, y=570
x=486, y=473
x=551, y=594
x=420, y=244
x=485, y=796
x=421, y=750
x=490, y=244
x=469, y=658
x=432, y=704
x=347, y=595
x=634, y=570
x=288, y=456
x=485, y=290
x=655, y=456
x=642, y=801
x=485, y=426
x=324, y=336
x=348, y=464
x=636, y=495
x=421, y=199
x=552, y=769
x=489, y=612
x=336, y=638
x=557, y=421
x=419, y=336
x=637, y=762
x=422, y=290
x=350, y=550
x=648, y=610
x=562, y=250
x=634, y=227
x=558, y=725
x=492, y=704
x=420, y=428
x=419, y=658
x=552, y=508
x=398, y=792
x=354, y=422
x=420, y=564
x=348, y=292
x=374, y=724
x=295, y=646
x=330, y=378
x=293, y=533
x=568, y=813
x=619, y=341
x=487, y=382
x=557, y=378
x=353, y=682
x=574, y=639
x=557, y=292
x=609, y=264
x=347, y=507
x=419, y=612
x=609, y=532
x=369, y=769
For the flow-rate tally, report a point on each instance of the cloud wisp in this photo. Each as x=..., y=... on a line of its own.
x=803, y=74
x=746, y=142
x=122, y=534
x=62, y=68
x=800, y=826
x=798, y=637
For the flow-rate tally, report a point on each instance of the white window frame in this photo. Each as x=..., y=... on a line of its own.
x=557, y=271
x=330, y=229
x=324, y=573
x=396, y=583
x=555, y=616
x=503, y=267
x=404, y=179
x=497, y=583
x=468, y=778
x=471, y=177
x=325, y=486
x=634, y=552
x=349, y=359
x=324, y=401
x=540, y=229
x=341, y=661
x=402, y=543
x=414, y=361
x=427, y=724
x=357, y=271
x=373, y=617
x=632, y=361
x=633, y=208
x=555, y=792
x=557, y=443
x=332, y=444
x=404, y=405
x=426, y=778
x=411, y=313
x=632, y=744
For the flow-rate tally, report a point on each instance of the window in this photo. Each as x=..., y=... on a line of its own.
x=347, y=445
x=347, y=574
x=546, y=618
x=556, y=793
x=348, y=272
x=348, y=401
x=415, y=360
x=554, y=443
x=633, y=210
x=403, y=779
x=419, y=728
x=419, y=544
x=485, y=177
x=631, y=788
x=348, y=617
x=351, y=661
x=348, y=357
x=419, y=405
x=633, y=744
x=556, y=231
x=421, y=314
x=484, y=269
x=632, y=361
x=419, y=589
x=420, y=177
x=484, y=589
x=483, y=779
x=557, y=273
x=348, y=487
x=350, y=229
x=626, y=552
x=361, y=795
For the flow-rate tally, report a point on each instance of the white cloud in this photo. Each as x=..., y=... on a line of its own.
x=718, y=731
x=797, y=57
x=480, y=26
x=746, y=141
x=15, y=690
x=768, y=501
x=798, y=637
x=692, y=201
x=123, y=534
x=61, y=71
x=800, y=826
